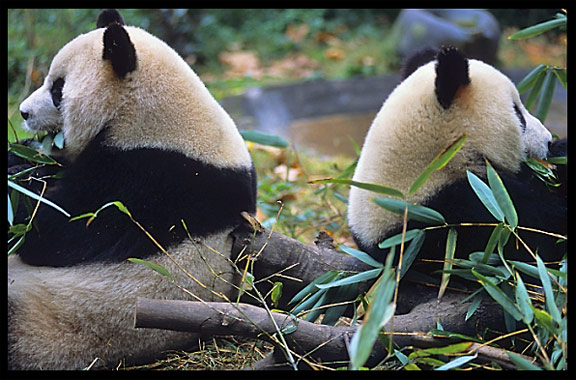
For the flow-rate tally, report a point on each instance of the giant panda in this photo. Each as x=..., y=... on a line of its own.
x=437, y=103
x=141, y=128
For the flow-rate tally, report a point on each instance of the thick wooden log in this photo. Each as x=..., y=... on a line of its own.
x=323, y=343
x=281, y=258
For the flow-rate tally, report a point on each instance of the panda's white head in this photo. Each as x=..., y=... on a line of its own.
x=130, y=82
x=437, y=104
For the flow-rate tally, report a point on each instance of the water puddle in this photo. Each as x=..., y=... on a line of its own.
x=331, y=117
x=333, y=134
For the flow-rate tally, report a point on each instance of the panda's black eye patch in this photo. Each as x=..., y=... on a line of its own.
x=520, y=117
x=56, y=91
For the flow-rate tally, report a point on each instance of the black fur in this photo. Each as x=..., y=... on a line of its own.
x=48, y=174
x=158, y=187
x=537, y=205
x=119, y=50
x=451, y=74
x=109, y=16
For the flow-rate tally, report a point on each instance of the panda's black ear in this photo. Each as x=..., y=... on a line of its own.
x=451, y=74
x=119, y=50
x=109, y=16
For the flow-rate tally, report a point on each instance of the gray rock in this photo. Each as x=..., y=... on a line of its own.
x=476, y=32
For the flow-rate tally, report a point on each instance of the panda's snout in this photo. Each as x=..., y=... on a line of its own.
x=39, y=112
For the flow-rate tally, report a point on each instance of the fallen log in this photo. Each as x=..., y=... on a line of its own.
x=280, y=258
x=321, y=343
x=276, y=257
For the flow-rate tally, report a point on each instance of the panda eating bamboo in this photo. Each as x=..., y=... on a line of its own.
x=142, y=129
x=439, y=102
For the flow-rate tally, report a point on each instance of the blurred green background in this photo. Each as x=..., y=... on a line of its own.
x=232, y=49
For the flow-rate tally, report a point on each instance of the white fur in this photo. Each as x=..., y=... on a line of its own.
x=64, y=318
x=412, y=128
x=162, y=104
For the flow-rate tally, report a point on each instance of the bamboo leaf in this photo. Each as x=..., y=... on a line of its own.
x=380, y=189
x=19, y=229
x=37, y=197
x=484, y=193
x=122, y=208
x=59, y=140
x=411, y=252
x=455, y=348
x=545, y=279
x=314, y=310
x=546, y=96
x=458, y=362
x=474, y=306
x=536, y=87
x=359, y=277
x=381, y=309
x=438, y=163
x=247, y=282
x=501, y=196
x=539, y=28
x=10, y=212
x=560, y=160
x=522, y=363
x=523, y=300
x=332, y=314
x=31, y=154
x=542, y=170
x=264, y=138
x=156, y=267
x=448, y=260
x=406, y=362
x=545, y=320
x=17, y=245
x=499, y=296
x=561, y=75
x=326, y=277
x=492, y=242
x=415, y=212
x=379, y=312
x=530, y=79
x=532, y=271
x=93, y=215
x=276, y=293
x=454, y=335
x=397, y=239
x=308, y=303
x=362, y=256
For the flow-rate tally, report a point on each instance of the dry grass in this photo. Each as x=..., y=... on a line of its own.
x=221, y=353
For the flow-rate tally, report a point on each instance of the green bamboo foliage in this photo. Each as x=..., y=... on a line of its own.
x=541, y=81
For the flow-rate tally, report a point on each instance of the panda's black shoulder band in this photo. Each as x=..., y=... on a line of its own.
x=170, y=195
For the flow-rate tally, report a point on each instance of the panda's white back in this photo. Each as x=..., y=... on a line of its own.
x=413, y=127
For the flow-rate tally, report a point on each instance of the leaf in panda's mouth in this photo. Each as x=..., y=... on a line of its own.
x=59, y=140
x=51, y=140
x=544, y=170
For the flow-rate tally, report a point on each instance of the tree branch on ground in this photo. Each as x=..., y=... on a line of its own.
x=322, y=344
x=297, y=264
